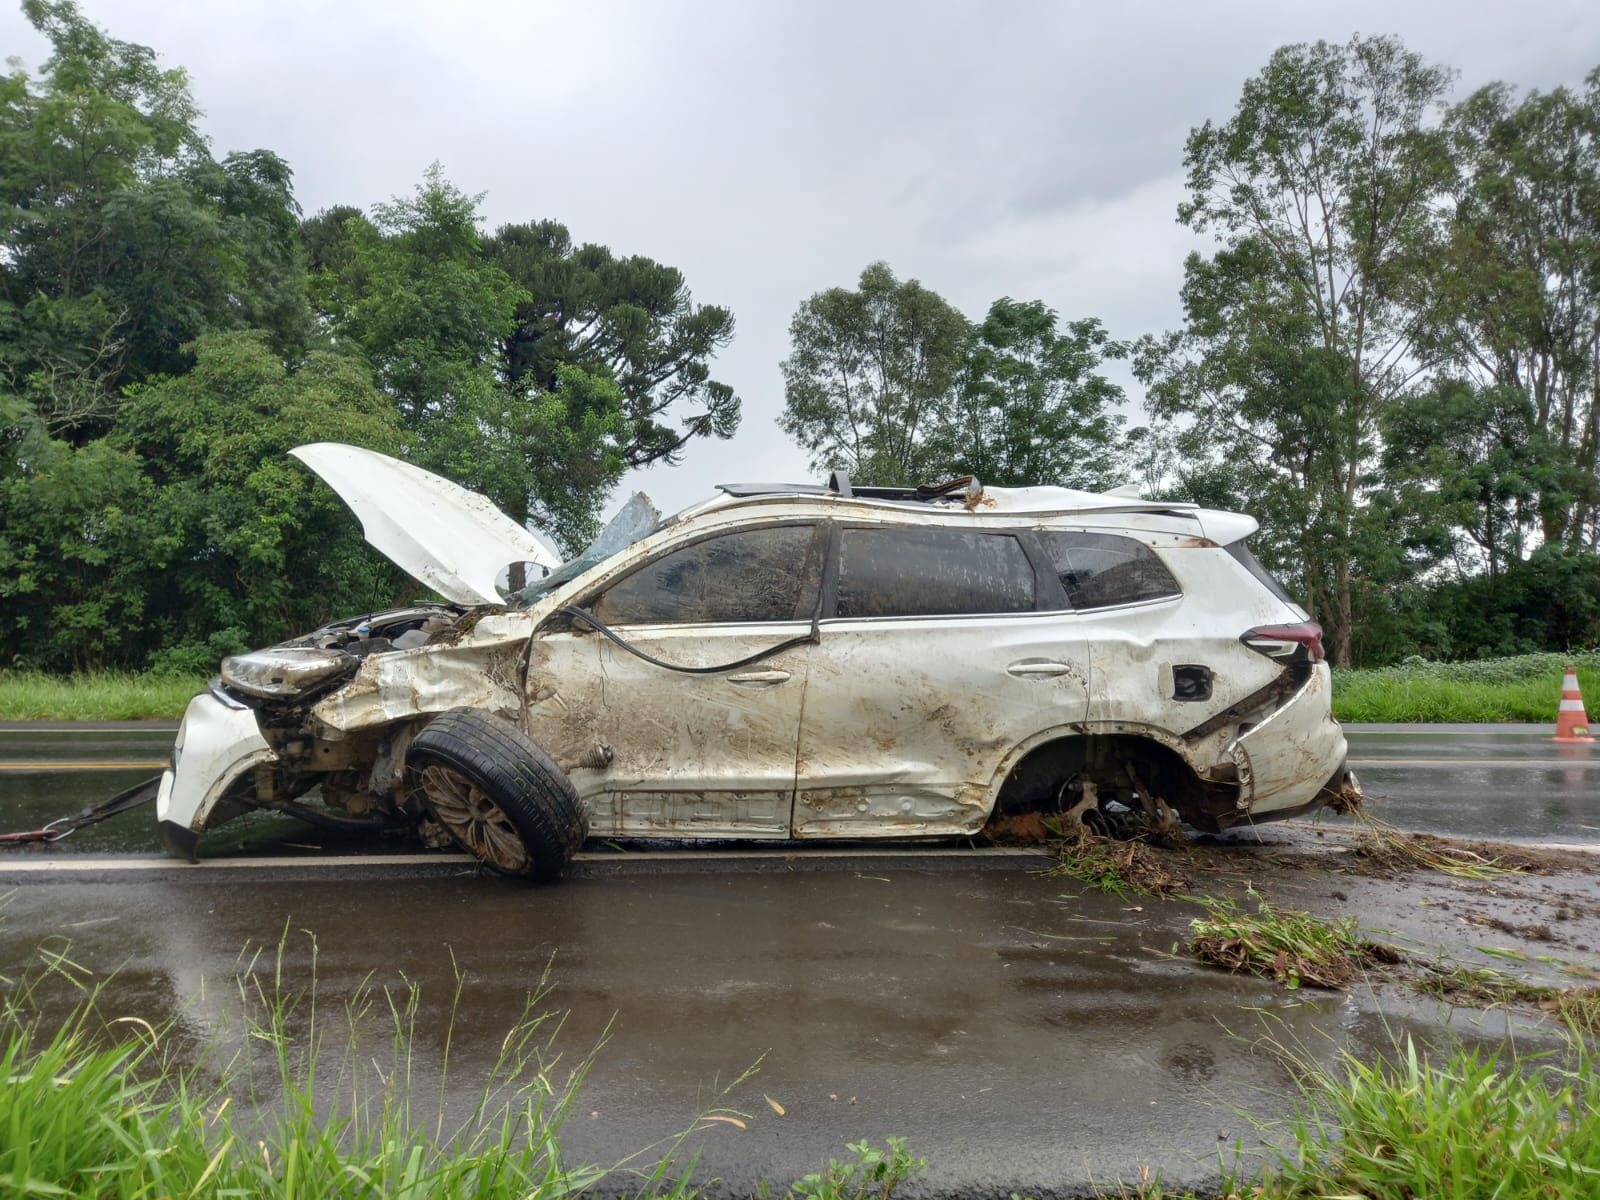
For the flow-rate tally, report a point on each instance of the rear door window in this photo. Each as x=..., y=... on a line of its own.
x=751, y=575
x=905, y=571
x=1102, y=570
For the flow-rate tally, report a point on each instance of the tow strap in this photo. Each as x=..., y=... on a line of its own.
x=138, y=795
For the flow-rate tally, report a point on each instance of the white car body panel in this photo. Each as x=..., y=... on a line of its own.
x=216, y=744
x=453, y=540
x=903, y=739
x=1279, y=759
x=653, y=751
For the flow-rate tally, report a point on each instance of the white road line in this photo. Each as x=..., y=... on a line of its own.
x=84, y=864
x=1475, y=762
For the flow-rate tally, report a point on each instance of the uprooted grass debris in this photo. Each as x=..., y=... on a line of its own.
x=1295, y=948
x=1385, y=847
x=1484, y=987
x=1119, y=868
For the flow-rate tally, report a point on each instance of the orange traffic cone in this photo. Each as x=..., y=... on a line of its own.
x=1572, y=722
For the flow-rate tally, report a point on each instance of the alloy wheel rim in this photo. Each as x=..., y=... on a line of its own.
x=474, y=819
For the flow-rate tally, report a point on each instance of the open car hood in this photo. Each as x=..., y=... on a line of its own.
x=442, y=535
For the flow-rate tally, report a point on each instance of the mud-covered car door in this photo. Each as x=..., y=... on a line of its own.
x=932, y=664
x=658, y=751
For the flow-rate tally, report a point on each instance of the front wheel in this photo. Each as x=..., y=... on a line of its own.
x=497, y=794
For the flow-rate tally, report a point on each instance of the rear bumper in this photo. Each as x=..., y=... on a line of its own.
x=1294, y=761
x=217, y=743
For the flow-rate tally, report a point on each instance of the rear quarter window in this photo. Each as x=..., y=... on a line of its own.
x=1242, y=554
x=903, y=571
x=1102, y=570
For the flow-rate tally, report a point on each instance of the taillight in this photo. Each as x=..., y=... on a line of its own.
x=1286, y=643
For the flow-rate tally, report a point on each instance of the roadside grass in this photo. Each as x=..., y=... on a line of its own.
x=1523, y=688
x=95, y=695
x=1459, y=1124
x=1295, y=948
x=315, y=1100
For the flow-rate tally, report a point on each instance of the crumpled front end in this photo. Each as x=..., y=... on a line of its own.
x=218, y=747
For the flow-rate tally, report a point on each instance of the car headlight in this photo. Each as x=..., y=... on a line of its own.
x=285, y=671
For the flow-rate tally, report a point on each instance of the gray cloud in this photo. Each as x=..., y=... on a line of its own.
x=1030, y=149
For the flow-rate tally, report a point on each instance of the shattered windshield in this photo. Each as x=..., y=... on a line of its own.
x=637, y=519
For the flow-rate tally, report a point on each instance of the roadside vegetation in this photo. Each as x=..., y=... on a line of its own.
x=307, y=1098
x=1524, y=688
x=95, y=695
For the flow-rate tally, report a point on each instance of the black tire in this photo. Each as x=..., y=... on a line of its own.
x=497, y=794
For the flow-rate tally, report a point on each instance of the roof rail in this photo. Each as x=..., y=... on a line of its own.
x=961, y=488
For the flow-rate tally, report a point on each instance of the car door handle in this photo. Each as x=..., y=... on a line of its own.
x=1036, y=667
x=758, y=678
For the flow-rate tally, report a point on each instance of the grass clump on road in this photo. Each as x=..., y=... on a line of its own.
x=1116, y=867
x=95, y=695
x=1576, y=1007
x=1386, y=847
x=1524, y=688
x=1295, y=948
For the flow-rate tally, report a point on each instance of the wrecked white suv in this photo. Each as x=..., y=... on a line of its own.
x=780, y=661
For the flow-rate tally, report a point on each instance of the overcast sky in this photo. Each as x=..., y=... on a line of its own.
x=770, y=150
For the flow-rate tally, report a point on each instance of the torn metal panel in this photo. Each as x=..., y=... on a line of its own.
x=1283, y=761
x=480, y=668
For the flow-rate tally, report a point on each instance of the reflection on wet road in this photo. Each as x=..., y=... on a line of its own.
x=1490, y=781
x=1019, y=1031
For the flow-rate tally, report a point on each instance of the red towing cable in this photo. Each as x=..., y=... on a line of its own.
x=136, y=796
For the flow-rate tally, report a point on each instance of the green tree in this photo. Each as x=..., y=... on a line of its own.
x=1032, y=407
x=415, y=291
x=629, y=319
x=1324, y=191
x=872, y=377
x=242, y=545
x=1472, y=461
x=121, y=239
x=1518, y=284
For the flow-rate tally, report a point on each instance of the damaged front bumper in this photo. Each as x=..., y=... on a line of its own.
x=219, y=744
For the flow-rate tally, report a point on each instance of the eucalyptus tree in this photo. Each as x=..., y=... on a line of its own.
x=1323, y=191
x=1032, y=406
x=872, y=377
x=1518, y=287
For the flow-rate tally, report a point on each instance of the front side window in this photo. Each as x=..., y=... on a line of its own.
x=913, y=572
x=733, y=578
x=1099, y=570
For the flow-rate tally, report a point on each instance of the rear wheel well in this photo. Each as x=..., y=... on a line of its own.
x=1048, y=779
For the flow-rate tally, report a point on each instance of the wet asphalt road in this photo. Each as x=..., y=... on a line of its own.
x=1023, y=1034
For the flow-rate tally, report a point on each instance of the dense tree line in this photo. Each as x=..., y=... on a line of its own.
x=170, y=325
x=1390, y=354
